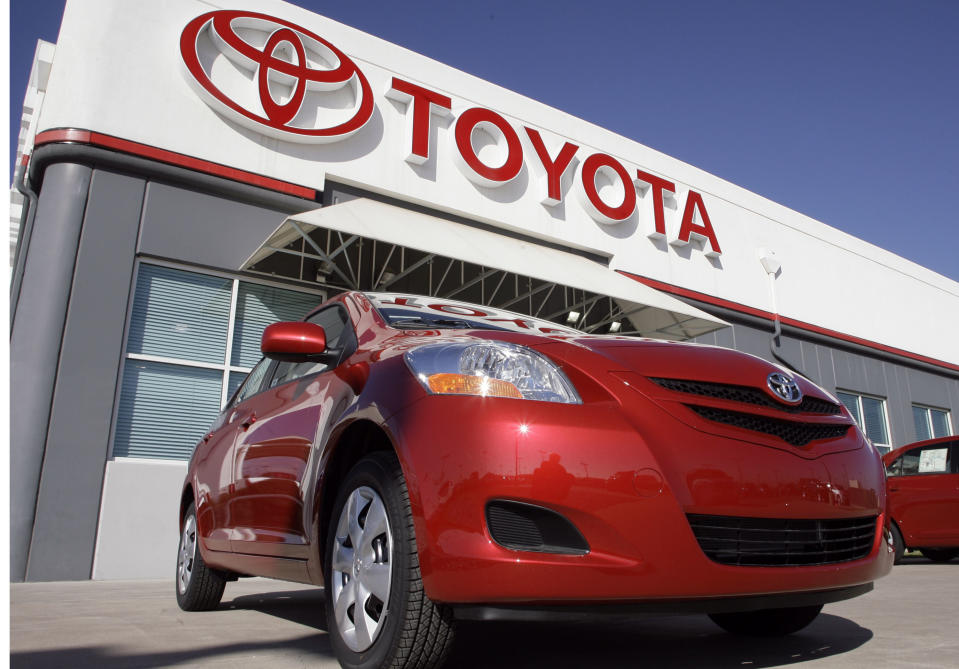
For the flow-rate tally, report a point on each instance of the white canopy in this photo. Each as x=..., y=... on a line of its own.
x=652, y=312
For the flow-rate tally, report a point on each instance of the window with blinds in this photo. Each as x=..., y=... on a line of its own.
x=191, y=341
x=870, y=414
x=930, y=423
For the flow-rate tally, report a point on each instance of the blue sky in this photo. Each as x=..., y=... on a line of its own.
x=843, y=110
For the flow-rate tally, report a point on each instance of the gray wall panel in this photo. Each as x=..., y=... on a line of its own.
x=725, y=337
x=812, y=361
x=204, y=229
x=35, y=342
x=850, y=371
x=898, y=404
x=78, y=439
x=751, y=340
x=827, y=365
x=930, y=390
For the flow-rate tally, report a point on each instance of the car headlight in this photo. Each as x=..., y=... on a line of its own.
x=490, y=369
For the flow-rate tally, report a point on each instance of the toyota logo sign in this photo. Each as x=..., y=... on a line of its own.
x=275, y=77
x=784, y=388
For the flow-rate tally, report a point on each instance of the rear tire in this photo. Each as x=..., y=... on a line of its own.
x=198, y=587
x=377, y=613
x=939, y=554
x=898, y=545
x=767, y=622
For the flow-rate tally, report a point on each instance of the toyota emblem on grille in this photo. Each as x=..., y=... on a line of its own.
x=784, y=388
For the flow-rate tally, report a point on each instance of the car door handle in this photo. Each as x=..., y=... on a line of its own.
x=248, y=421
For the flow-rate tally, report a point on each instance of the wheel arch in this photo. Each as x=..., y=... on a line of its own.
x=356, y=441
x=186, y=498
x=905, y=541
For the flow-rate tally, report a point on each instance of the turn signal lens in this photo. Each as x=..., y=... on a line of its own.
x=462, y=384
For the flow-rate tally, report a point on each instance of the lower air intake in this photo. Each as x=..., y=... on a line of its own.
x=527, y=527
x=782, y=542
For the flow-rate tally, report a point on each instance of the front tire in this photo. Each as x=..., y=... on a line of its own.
x=376, y=610
x=939, y=554
x=898, y=545
x=198, y=587
x=767, y=622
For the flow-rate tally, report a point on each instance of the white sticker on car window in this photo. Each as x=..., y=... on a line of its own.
x=933, y=460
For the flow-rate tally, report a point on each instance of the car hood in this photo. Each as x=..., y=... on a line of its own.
x=698, y=362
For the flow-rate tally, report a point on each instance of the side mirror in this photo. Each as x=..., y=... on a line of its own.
x=293, y=342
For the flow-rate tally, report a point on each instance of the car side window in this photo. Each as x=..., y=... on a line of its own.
x=932, y=459
x=340, y=338
x=340, y=342
x=255, y=381
x=894, y=468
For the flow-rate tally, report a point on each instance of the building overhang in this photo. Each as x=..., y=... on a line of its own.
x=364, y=244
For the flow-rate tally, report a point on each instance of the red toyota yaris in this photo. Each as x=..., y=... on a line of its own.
x=923, y=481
x=428, y=460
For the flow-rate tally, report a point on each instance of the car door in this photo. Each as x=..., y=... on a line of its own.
x=925, y=496
x=272, y=457
x=214, y=463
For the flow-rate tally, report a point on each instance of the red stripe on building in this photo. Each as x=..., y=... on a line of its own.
x=172, y=158
x=767, y=315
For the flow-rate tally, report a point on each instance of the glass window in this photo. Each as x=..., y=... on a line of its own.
x=920, y=418
x=256, y=307
x=910, y=462
x=179, y=314
x=851, y=402
x=192, y=339
x=254, y=381
x=339, y=343
x=235, y=381
x=934, y=459
x=339, y=336
x=870, y=414
x=940, y=423
x=164, y=409
x=894, y=468
x=930, y=422
x=874, y=419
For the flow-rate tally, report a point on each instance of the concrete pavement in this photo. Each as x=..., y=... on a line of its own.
x=909, y=620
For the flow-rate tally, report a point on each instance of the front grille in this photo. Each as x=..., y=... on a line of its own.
x=782, y=542
x=796, y=434
x=748, y=395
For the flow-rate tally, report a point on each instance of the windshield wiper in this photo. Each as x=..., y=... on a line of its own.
x=417, y=323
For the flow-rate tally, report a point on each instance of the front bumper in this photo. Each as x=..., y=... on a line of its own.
x=626, y=478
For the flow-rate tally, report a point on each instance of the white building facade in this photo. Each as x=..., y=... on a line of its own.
x=192, y=174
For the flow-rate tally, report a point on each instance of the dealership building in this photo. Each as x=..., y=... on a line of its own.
x=189, y=175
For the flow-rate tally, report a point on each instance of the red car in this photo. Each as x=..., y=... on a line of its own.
x=429, y=460
x=923, y=483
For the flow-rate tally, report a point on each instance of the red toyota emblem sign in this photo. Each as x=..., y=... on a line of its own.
x=289, y=82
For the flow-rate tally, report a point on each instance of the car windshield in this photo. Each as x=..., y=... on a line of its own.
x=414, y=312
x=403, y=319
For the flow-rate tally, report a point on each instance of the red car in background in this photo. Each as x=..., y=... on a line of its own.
x=427, y=460
x=923, y=483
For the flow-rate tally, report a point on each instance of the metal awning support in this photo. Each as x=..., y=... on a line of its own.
x=401, y=249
